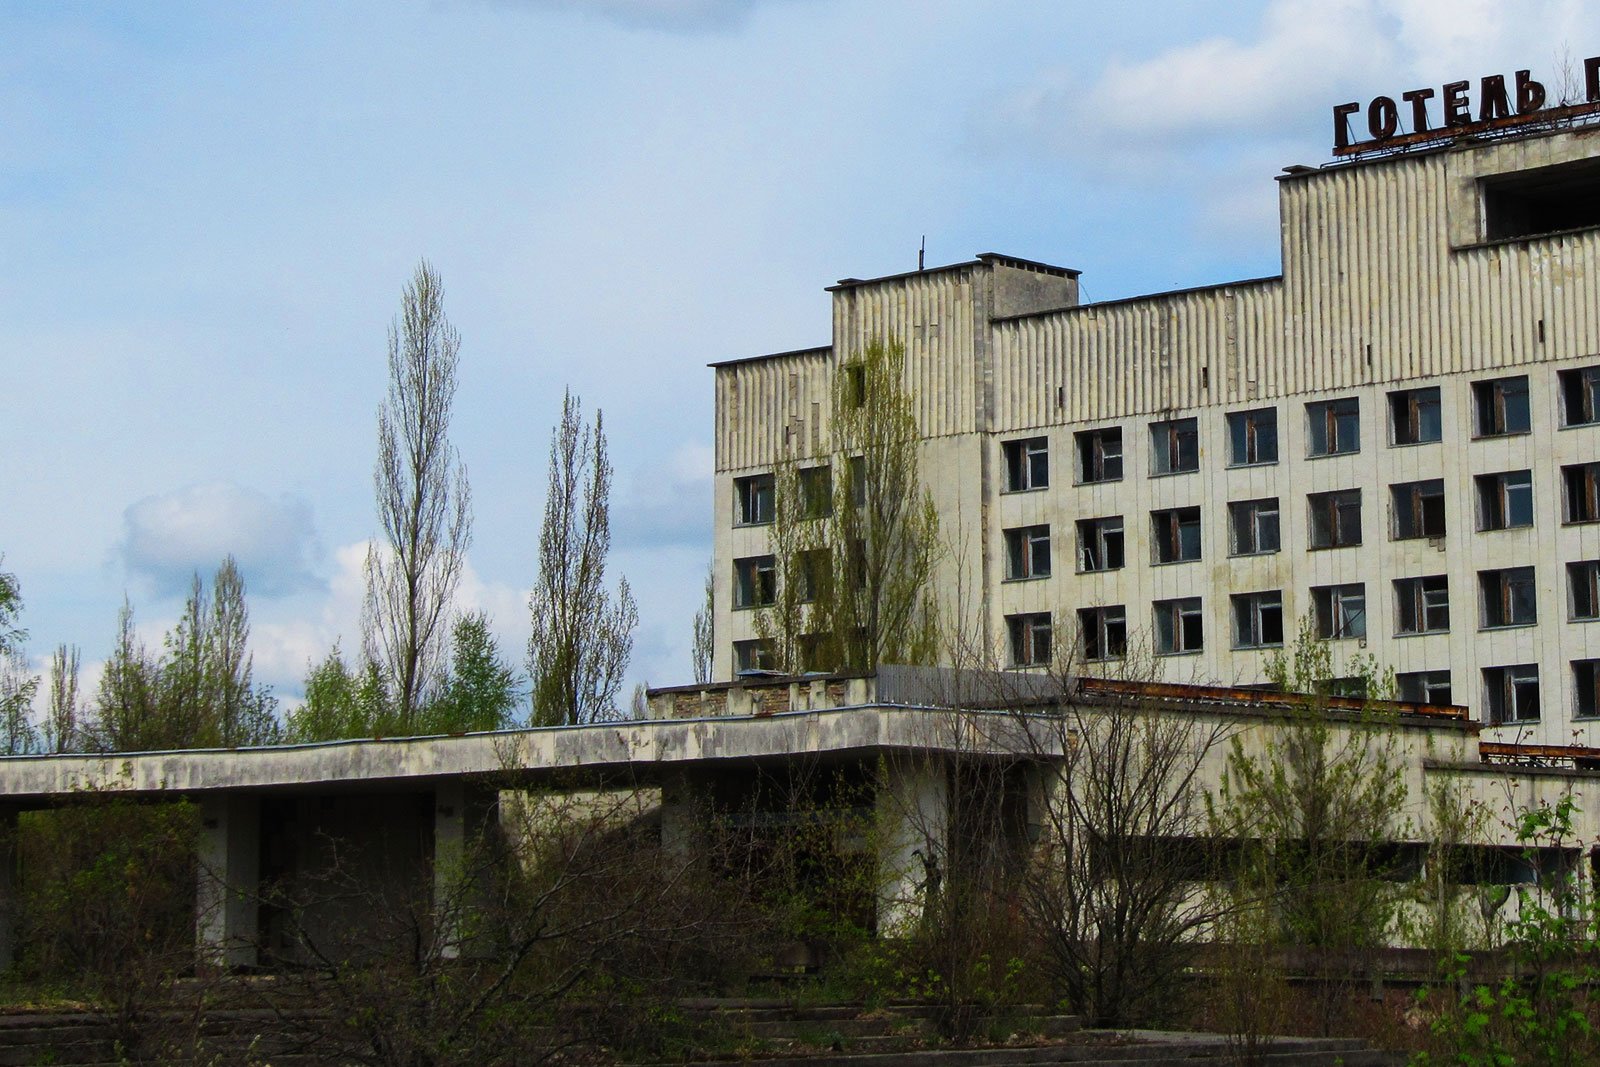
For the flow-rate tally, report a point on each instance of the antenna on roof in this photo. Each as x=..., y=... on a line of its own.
x=922, y=252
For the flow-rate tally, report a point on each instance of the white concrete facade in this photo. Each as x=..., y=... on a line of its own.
x=1390, y=284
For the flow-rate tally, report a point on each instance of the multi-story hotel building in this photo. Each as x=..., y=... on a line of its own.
x=1399, y=437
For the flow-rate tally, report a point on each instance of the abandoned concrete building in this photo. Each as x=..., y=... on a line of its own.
x=1398, y=436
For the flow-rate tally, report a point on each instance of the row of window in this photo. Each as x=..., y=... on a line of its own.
x=1333, y=427
x=1505, y=502
x=755, y=498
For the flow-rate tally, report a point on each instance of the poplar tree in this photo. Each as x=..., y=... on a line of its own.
x=424, y=503
x=61, y=728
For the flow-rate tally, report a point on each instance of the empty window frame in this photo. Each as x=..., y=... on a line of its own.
x=1100, y=455
x=1175, y=535
x=753, y=656
x=1340, y=610
x=1253, y=526
x=1335, y=518
x=1100, y=544
x=1424, y=687
x=1581, y=487
x=1500, y=406
x=1027, y=464
x=1179, y=627
x=753, y=500
x=1541, y=200
x=1105, y=632
x=1333, y=427
x=1580, y=396
x=1258, y=620
x=1030, y=639
x=1253, y=437
x=1583, y=590
x=1505, y=500
x=755, y=582
x=1586, y=688
x=816, y=491
x=1418, y=509
x=1027, y=553
x=1508, y=597
x=1422, y=605
x=1511, y=694
x=1414, y=416
x=1175, y=446
x=857, y=473
x=813, y=569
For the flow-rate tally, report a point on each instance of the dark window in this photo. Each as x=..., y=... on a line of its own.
x=1027, y=464
x=753, y=656
x=1030, y=639
x=1424, y=687
x=1334, y=427
x=1586, y=687
x=1414, y=416
x=753, y=496
x=755, y=582
x=1418, y=509
x=816, y=653
x=816, y=491
x=813, y=569
x=1505, y=500
x=1105, y=632
x=858, y=480
x=1509, y=597
x=1582, y=484
x=1253, y=437
x=855, y=384
x=1542, y=200
x=1028, y=552
x=1257, y=620
x=1580, y=396
x=1335, y=518
x=1511, y=694
x=1340, y=610
x=1583, y=584
x=1100, y=455
x=1174, y=446
x=1176, y=535
x=1178, y=626
x=1422, y=605
x=1100, y=544
x=1501, y=406
x=1254, y=526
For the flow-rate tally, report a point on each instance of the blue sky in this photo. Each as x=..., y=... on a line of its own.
x=207, y=213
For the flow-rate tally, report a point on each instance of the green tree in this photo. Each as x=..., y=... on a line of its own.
x=481, y=690
x=424, y=503
x=341, y=702
x=582, y=633
x=704, y=643
x=18, y=684
x=125, y=704
x=61, y=721
x=10, y=609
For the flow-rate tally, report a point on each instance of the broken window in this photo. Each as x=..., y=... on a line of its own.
x=1422, y=605
x=1257, y=620
x=1505, y=500
x=755, y=582
x=1511, y=694
x=1253, y=526
x=813, y=568
x=1175, y=446
x=1105, y=632
x=1030, y=639
x=1340, y=610
x=1501, y=406
x=1176, y=534
x=858, y=480
x=1178, y=626
x=1028, y=552
x=1418, y=509
x=1580, y=396
x=753, y=498
x=1253, y=437
x=1100, y=455
x=1414, y=416
x=753, y=656
x=1582, y=484
x=1509, y=597
x=1027, y=464
x=1583, y=585
x=1100, y=544
x=1586, y=687
x=1424, y=687
x=1335, y=518
x=1541, y=200
x=1334, y=427
x=816, y=491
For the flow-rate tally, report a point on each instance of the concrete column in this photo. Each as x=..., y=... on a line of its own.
x=677, y=817
x=463, y=816
x=913, y=815
x=227, y=901
x=10, y=887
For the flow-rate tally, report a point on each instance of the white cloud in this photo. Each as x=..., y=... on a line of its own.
x=169, y=538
